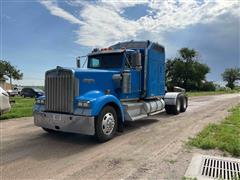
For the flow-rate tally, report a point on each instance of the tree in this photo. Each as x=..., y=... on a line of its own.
x=231, y=76
x=188, y=55
x=185, y=70
x=6, y=69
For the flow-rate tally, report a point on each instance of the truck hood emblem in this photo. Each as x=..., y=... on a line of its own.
x=88, y=81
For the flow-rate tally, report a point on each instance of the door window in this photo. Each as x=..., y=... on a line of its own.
x=95, y=63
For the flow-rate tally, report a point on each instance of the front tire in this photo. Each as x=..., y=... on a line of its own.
x=106, y=124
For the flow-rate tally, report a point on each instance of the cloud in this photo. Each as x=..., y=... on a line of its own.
x=120, y=5
x=104, y=22
x=55, y=10
x=171, y=15
x=104, y=26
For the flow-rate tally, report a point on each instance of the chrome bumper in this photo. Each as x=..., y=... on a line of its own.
x=65, y=123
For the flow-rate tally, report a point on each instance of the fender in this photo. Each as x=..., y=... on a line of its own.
x=98, y=100
x=170, y=98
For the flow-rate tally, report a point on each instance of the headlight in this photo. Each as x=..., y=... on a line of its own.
x=40, y=101
x=84, y=104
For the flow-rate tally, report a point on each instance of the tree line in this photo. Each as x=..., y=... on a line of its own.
x=187, y=72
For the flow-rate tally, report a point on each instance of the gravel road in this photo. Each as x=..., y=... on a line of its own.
x=148, y=149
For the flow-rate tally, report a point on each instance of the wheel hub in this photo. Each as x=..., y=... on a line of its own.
x=108, y=123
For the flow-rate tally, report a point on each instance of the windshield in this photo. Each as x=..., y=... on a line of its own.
x=105, y=61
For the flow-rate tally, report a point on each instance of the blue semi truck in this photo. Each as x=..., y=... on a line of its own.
x=125, y=82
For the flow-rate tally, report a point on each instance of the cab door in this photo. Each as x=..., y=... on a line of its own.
x=132, y=81
x=135, y=83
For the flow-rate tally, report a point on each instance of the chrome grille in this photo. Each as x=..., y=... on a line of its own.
x=59, y=88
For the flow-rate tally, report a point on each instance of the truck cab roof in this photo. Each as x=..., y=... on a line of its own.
x=107, y=51
x=138, y=45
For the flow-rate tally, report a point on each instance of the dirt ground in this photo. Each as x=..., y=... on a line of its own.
x=148, y=149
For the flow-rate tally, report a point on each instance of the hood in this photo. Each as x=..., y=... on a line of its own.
x=96, y=79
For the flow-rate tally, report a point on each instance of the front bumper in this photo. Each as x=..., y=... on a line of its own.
x=65, y=122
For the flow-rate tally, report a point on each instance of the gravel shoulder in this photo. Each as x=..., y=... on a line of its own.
x=153, y=148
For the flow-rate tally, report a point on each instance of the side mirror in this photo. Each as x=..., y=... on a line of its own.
x=137, y=60
x=78, y=62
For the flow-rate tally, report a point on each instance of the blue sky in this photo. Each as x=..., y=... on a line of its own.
x=39, y=35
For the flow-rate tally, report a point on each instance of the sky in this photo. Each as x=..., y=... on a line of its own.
x=39, y=35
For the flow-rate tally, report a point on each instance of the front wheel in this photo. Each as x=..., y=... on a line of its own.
x=106, y=124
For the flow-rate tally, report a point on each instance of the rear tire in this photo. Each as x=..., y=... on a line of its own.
x=174, y=109
x=184, y=103
x=106, y=124
x=168, y=109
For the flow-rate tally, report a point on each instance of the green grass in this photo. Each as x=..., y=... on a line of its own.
x=188, y=178
x=21, y=108
x=224, y=136
x=208, y=93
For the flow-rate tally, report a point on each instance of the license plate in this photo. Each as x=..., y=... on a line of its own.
x=56, y=117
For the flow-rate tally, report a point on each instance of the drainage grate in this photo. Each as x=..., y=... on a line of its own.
x=219, y=168
x=210, y=167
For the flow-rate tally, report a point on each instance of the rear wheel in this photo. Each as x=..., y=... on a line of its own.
x=106, y=124
x=184, y=104
x=168, y=109
x=177, y=107
x=174, y=109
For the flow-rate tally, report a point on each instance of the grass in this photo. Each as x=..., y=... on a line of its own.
x=21, y=108
x=208, y=93
x=188, y=178
x=224, y=136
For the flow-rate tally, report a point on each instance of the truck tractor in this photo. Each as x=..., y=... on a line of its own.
x=124, y=82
